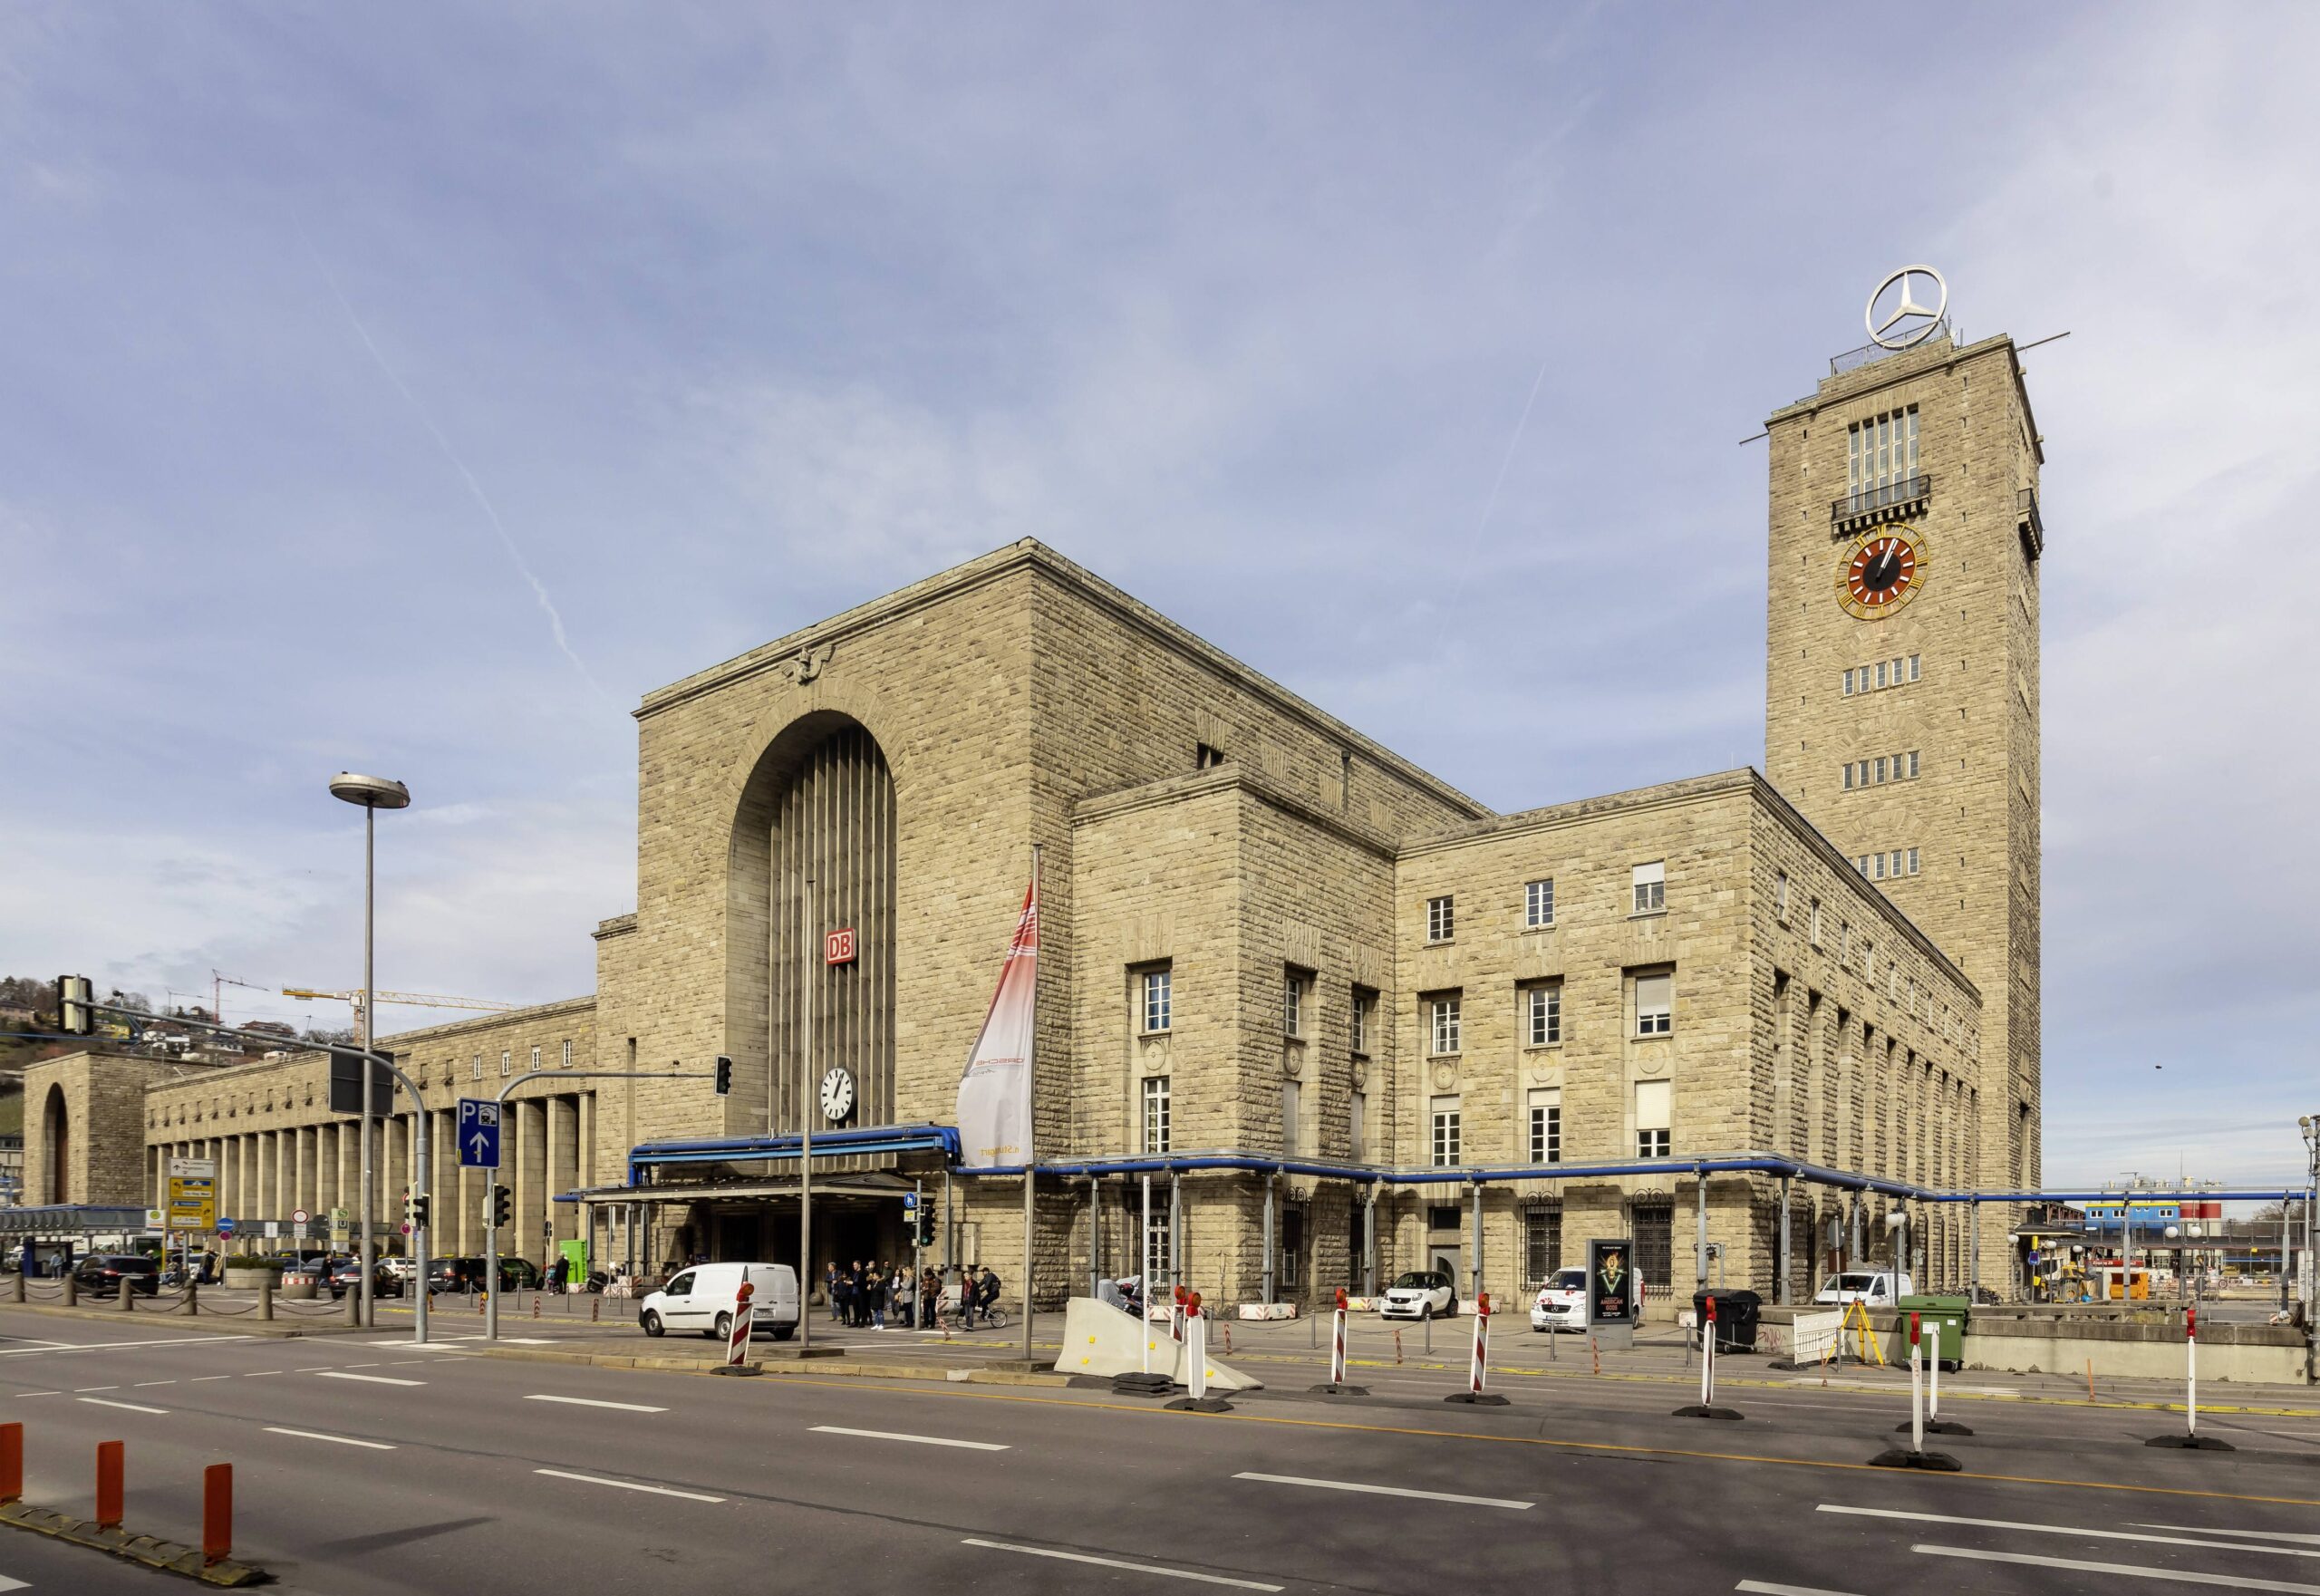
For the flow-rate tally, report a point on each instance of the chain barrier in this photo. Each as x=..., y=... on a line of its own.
x=45, y=1293
x=331, y=1309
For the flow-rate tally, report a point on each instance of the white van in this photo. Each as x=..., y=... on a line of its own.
x=1874, y=1287
x=701, y=1298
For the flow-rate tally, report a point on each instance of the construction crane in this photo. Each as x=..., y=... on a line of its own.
x=407, y=1000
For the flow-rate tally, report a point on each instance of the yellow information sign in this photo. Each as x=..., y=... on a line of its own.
x=193, y=1194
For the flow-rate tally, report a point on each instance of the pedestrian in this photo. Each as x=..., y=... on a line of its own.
x=830, y=1292
x=905, y=1299
x=967, y=1298
x=877, y=1294
x=856, y=1278
x=930, y=1298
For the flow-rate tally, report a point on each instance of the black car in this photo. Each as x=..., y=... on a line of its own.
x=101, y=1274
x=466, y=1274
x=347, y=1276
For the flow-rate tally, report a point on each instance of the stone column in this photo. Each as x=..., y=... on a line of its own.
x=531, y=1178
x=563, y=1164
x=587, y=1139
x=462, y=1230
x=442, y=1184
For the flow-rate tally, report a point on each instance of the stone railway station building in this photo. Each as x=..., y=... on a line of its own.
x=1348, y=1018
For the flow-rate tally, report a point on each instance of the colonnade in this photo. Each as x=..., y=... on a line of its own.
x=548, y=1146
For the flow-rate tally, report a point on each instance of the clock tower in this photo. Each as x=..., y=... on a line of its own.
x=1901, y=680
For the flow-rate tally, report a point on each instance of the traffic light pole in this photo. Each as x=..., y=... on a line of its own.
x=722, y=1076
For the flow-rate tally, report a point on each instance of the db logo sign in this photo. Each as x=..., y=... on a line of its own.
x=837, y=947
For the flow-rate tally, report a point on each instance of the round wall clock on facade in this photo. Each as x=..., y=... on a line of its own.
x=838, y=1095
x=1880, y=573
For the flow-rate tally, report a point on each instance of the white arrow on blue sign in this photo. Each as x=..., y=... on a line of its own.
x=479, y=1133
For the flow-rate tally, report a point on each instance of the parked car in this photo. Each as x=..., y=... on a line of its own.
x=401, y=1267
x=345, y=1277
x=701, y=1297
x=101, y=1274
x=1421, y=1294
x=466, y=1274
x=1872, y=1287
x=1562, y=1303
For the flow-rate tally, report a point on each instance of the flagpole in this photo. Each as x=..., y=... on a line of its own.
x=1031, y=1120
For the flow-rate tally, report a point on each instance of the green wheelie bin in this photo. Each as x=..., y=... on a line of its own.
x=1941, y=1328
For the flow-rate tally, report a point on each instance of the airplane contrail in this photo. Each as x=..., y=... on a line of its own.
x=1490, y=503
x=540, y=589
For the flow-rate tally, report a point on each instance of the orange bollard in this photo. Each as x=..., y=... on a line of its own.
x=12, y=1462
x=109, y=1464
x=216, y=1512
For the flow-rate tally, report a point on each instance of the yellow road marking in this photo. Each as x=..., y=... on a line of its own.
x=1610, y=1446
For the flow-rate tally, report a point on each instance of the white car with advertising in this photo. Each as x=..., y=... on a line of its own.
x=1562, y=1302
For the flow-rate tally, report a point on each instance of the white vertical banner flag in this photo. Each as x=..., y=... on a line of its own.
x=995, y=1093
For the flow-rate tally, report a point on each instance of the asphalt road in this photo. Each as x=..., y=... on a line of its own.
x=364, y=1464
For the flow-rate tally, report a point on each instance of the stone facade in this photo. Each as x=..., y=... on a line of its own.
x=1391, y=1029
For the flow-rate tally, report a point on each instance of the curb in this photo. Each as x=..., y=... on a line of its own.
x=211, y=1323
x=939, y=1372
x=166, y=1555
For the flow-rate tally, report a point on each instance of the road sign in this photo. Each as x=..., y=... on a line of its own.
x=192, y=1199
x=342, y=1224
x=406, y=1227
x=909, y=1202
x=299, y=1216
x=273, y=1230
x=155, y=1218
x=224, y=1227
x=478, y=1134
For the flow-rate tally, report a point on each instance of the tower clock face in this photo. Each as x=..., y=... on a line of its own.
x=1880, y=573
x=838, y=1095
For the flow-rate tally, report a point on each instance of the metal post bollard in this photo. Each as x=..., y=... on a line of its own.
x=72, y=1290
x=353, y=1308
x=17, y=1288
x=127, y=1295
x=192, y=1308
x=217, y=1509
x=2190, y=1440
x=265, y=1299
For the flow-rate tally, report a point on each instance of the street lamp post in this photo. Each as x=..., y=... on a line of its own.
x=2310, y=1125
x=373, y=793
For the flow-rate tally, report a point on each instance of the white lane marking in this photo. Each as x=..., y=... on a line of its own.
x=78, y=1389
x=2123, y=1570
x=8, y=1585
x=196, y=1379
x=2240, y=1534
x=592, y=1402
x=143, y=1384
x=1761, y=1588
x=376, y=1380
x=1291, y=1479
x=591, y=1479
x=1141, y=1568
x=318, y=1435
x=132, y=1406
x=839, y=1429
x=528, y=1341
x=2071, y=1530
x=260, y=1373
x=40, y=1393
x=362, y=1365
x=63, y=1348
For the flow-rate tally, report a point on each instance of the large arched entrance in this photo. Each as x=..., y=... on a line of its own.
x=56, y=1147
x=819, y=808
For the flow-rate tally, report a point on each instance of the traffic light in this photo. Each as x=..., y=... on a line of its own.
x=724, y=1074
x=926, y=1228
x=503, y=1206
x=415, y=1210
x=73, y=1015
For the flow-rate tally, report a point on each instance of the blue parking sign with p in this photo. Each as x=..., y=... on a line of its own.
x=479, y=1133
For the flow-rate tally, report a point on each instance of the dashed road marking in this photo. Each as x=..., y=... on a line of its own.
x=1141, y=1568
x=376, y=1380
x=590, y=1479
x=317, y=1436
x=2236, y=1535
x=2123, y=1570
x=839, y=1429
x=2073, y=1531
x=78, y=1389
x=1761, y=1588
x=141, y=1385
x=1291, y=1479
x=593, y=1402
x=132, y=1406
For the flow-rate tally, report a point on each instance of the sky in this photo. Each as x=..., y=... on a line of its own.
x=412, y=388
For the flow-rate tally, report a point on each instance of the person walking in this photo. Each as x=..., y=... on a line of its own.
x=829, y=1291
x=877, y=1297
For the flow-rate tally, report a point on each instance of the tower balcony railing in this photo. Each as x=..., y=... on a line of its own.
x=1889, y=502
x=2027, y=521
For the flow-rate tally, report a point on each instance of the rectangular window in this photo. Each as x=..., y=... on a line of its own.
x=1881, y=672
x=1445, y=1144
x=1849, y=769
x=1292, y=1004
x=1844, y=940
x=1881, y=456
x=1159, y=994
x=1546, y=1125
x=1543, y=1015
x=1651, y=887
x=1290, y=1101
x=1358, y=1113
x=1655, y=1004
x=1655, y=1242
x=479, y=1067
x=1816, y=923
x=1538, y=902
x=1445, y=1037
x=1913, y=667
x=535, y=1058
x=1869, y=961
x=1156, y=1113
x=1913, y=861
x=1779, y=895
x=506, y=1064
x=1441, y=919
x=1847, y=683
x=1913, y=764
x=1364, y=1010
x=567, y=1055
x=1541, y=1244
x=1880, y=767
x=1654, y=1131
